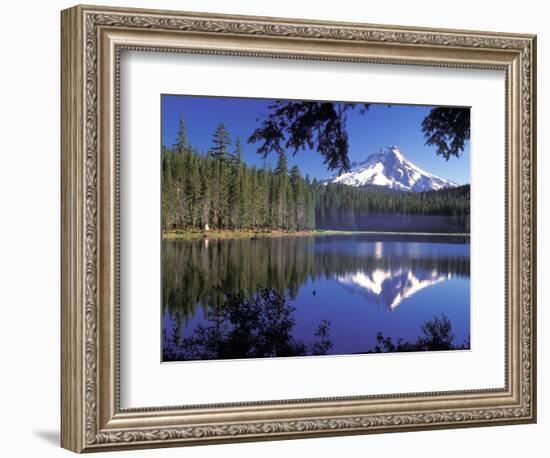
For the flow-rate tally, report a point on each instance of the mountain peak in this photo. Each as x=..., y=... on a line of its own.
x=391, y=149
x=388, y=167
x=386, y=153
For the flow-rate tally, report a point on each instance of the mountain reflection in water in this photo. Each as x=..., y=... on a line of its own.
x=390, y=288
x=352, y=281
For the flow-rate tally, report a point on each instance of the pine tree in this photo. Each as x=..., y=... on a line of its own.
x=181, y=144
x=310, y=205
x=280, y=189
x=245, y=195
x=220, y=143
x=298, y=197
x=215, y=192
x=237, y=155
x=205, y=193
x=236, y=181
x=261, y=199
x=193, y=188
x=182, y=205
x=168, y=194
x=225, y=177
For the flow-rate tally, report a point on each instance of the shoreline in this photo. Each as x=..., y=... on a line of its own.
x=228, y=234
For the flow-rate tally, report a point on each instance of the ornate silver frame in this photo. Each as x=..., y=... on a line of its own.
x=92, y=39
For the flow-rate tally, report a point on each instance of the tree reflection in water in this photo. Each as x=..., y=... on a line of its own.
x=192, y=268
x=261, y=326
x=245, y=327
x=436, y=335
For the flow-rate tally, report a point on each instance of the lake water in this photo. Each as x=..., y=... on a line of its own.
x=398, y=223
x=345, y=288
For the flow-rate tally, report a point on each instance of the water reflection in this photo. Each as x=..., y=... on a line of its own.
x=332, y=278
x=390, y=288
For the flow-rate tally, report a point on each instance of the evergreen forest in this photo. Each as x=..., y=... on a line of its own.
x=218, y=190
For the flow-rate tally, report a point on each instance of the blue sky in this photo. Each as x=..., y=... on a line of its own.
x=381, y=126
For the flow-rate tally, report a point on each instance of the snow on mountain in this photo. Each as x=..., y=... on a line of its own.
x=389, y=168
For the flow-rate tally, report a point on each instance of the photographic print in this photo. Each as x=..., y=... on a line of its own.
x=308, y=228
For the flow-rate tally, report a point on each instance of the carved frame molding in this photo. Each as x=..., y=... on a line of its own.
x=92, y=39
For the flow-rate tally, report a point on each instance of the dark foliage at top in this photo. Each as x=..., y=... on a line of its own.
x=448, y=129
x=296, y=125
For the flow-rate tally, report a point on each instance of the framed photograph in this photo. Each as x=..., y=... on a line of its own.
x=277, y=228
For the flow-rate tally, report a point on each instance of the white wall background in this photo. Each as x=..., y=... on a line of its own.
x=29, y=229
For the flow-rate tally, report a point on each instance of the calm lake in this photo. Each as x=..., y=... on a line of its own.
x=357, y=285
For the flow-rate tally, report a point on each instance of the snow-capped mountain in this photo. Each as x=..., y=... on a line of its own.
x=389, y=168
x=390, y=288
